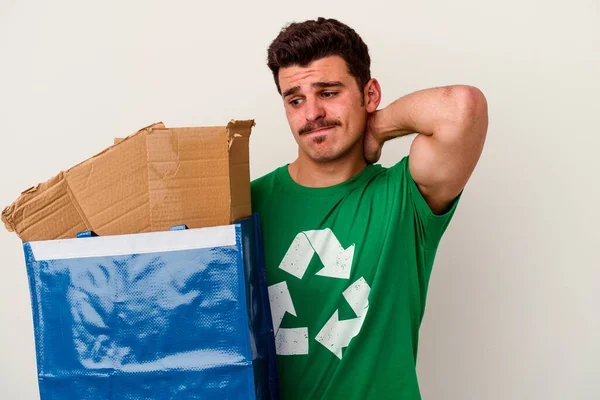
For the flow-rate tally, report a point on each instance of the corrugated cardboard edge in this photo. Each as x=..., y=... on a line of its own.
x=28, y=194
x=236, y=130
x=239, y=128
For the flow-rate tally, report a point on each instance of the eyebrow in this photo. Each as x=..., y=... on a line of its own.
x=321, y=85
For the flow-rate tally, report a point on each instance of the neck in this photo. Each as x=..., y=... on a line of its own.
x=310, y=173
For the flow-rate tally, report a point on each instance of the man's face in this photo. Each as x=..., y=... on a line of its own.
x=324, y=108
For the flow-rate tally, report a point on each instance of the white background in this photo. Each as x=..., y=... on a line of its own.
x=512, y=310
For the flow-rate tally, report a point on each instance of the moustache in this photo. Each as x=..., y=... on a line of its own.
x=311, y=126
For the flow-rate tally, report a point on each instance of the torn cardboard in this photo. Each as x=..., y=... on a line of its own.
x=149, y=181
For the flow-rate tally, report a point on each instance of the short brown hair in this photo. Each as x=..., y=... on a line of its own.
x=300, y=43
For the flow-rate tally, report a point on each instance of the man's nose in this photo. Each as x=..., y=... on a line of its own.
x=314, y=109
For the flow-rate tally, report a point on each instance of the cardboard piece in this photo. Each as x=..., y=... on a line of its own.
x=149, y=181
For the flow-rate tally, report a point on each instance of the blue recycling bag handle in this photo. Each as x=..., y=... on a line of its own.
x=86, y=234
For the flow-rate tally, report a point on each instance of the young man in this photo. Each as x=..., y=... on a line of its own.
x=349, y=245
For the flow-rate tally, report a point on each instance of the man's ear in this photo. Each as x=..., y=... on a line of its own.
x=372, y=95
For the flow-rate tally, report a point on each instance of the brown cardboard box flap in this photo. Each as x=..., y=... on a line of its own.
x=149, y=181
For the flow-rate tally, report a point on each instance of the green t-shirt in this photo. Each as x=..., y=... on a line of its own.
x=348, y=268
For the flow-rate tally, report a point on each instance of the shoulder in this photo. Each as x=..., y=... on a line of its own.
x=264, y=182
x=263, y=186
x=401, y=168
x=395, y=175
x=400, y=179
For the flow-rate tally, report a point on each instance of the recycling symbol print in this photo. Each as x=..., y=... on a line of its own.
x=336, y=334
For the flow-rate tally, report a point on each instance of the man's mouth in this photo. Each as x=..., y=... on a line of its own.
x=322, y=129
x=318, y=126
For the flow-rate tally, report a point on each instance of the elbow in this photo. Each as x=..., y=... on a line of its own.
x=469, y=103
x=468, y=114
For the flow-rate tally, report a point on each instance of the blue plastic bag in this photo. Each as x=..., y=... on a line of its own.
x=182, y=314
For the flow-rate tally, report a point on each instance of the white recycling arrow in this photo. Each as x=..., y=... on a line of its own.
x=298, y=256
x=357, y=296
x=287, y=341
x=337, y=261
x=281, y=302
x=336, y=334
x=291, y=341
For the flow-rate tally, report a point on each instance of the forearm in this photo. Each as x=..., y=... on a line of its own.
x=429, y=112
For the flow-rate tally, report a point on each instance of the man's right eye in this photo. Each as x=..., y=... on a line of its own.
x=295, y=102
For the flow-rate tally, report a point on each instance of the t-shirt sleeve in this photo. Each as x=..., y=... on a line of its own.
x=429, y=226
